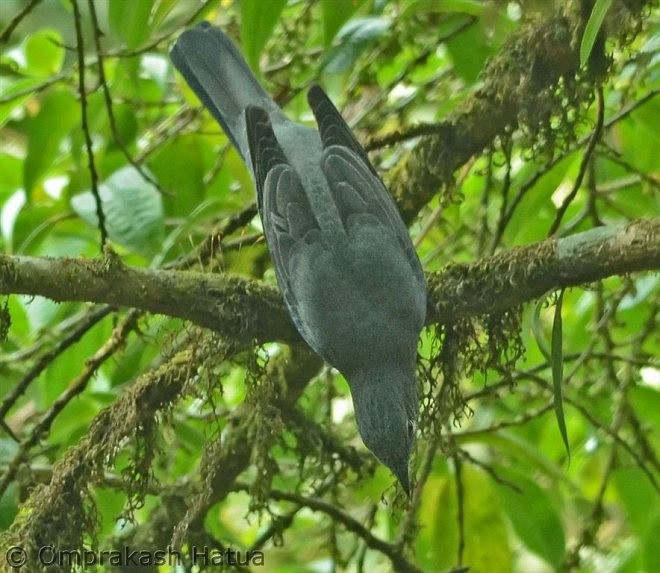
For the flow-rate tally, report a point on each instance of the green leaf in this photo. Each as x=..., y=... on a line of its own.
x=42, y=313
x=11, y=88
x=640, y=126
x=538, y=205
x=471, y=7
x=651, y=553
x=485, y=535
x=44, y=53
x=558, y=372
x=73, y=424
x=354, y=38
x=59, y=115
x=592, y=29
x=335, y=13
x=637, y=496
x=126, y=123
x=435, y=544
x=9, y=505
x=12, y=175
x=163, y=10
x=537, y=329
x=469, y=51
x=533, y=516
x=258, y=18
x=179, y=167
x=9, y=212
x=133, y=211
x=111, y=503
x=646, y=402
x=130, y=20
x=508, y=444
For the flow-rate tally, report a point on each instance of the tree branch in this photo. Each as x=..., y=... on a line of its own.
x=399, y=562
x=519, y=89
x=506, y=280
x=246, y=310
x=243, y=310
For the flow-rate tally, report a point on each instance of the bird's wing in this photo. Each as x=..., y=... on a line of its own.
x=289, y=223
x=355, y=185
x=332, y=127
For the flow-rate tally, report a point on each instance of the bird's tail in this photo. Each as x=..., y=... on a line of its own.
x=219, y=75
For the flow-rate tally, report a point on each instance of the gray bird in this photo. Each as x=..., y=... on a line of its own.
x=350, y=276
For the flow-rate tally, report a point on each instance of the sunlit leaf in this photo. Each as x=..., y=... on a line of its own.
x=533, y=516
x=592, y=29
x=59, y=114
x=352, y=40
x=335, y=13
x=133, y=211
x=44, y=52
x=9, y=211
x=557, y=361
x=21, y=90
x=258, y=18
x=485, y=537
x=130, y=20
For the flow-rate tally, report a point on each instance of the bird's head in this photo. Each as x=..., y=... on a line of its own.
x=386, y=405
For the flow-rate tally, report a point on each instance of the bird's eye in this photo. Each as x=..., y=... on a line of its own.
x=411, y=428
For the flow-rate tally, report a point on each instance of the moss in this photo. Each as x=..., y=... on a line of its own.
x=490, y=342
x=5, y=320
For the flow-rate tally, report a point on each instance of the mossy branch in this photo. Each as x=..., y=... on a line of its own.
x=241, y=309
x=244, y=310
x=534, y=79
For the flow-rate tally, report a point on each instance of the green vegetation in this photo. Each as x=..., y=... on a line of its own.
x=152, y=388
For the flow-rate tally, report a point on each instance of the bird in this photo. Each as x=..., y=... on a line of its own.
x=349, y=274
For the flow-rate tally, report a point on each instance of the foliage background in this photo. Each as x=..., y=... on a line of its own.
x=496, y=489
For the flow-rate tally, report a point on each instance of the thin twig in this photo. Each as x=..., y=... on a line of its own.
x=80, y=49
x=400, y=563
x=497, y=478
x=108, y=100
x=437, y=212
x=123, y=53
x=284, y=521
x=506, y=187
x=47, y=358
x=586, y=159
x=534, y=179
x=75, y=388
x=460, y=509
x=16, y=20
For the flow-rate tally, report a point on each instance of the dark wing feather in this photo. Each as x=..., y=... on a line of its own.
x=332, y=127
x=265, y=151
x=357, y=190
x=353, y=181
x=287, y=217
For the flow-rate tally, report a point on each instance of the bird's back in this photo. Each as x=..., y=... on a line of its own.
x=359, y=286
